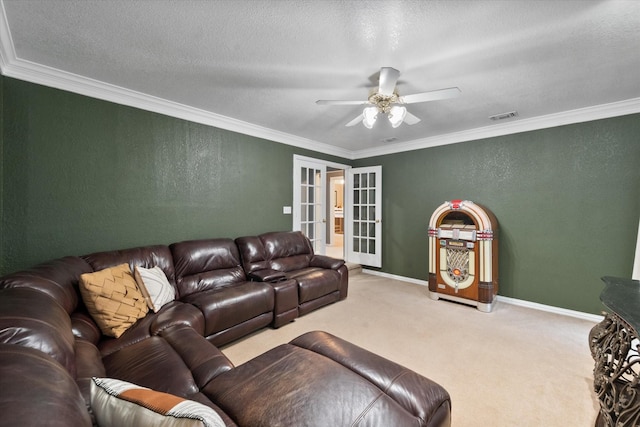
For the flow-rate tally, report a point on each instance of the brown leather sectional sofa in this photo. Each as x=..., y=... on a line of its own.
x=51, y=347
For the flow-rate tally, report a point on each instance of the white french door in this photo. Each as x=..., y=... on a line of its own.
x=363, y=218
x=309, y=205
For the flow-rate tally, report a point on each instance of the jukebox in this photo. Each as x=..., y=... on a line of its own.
x=463, y=254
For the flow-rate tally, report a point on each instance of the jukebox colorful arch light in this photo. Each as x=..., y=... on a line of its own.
x=463, y=254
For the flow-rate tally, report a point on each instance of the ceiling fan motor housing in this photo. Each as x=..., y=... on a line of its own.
x=384, y=102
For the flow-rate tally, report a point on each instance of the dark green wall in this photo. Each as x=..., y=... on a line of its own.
x=567, y=200
x=83, y=175
x=79, y=175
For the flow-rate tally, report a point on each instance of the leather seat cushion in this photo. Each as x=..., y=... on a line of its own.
x=152, y=363
x=232, y=305
x=316, y=284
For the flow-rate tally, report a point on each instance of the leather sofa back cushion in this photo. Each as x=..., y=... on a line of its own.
x=145, y=256
x=201, y=265
x=287, y=251
x=57, y=278
x=30, y=318
x=113, y=299
x=119, y=403
x=252, y=253
x=37, y=391
x=291, y=263
x=286, y=244
x=279, y=250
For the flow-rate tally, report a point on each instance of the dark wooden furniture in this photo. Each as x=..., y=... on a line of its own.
x=615, y=346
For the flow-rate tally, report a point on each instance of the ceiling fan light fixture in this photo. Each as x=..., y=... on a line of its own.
x=370, y=115
x=386, y=100
x=397, y=115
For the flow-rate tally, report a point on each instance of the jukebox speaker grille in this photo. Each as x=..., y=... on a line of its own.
x=458, y=264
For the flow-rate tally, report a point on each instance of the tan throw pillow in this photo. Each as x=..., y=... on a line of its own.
x=113, y=299
x=155, y=287
x=119, y=403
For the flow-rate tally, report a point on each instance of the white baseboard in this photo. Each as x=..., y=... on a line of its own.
x=514, y=301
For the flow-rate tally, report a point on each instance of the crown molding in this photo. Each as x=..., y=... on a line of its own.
x=47, y=76
x=7, y=51
x=12, y=66
x=604, y=111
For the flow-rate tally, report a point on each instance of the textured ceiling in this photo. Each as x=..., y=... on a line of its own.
x=265, y=63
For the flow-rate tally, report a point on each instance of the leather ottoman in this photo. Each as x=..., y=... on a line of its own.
x=320, y=380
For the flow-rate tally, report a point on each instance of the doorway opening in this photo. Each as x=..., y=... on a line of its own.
x=339, y=208
x=335, y=213
x=318, y=202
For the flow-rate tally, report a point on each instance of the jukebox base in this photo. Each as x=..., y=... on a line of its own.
x=481, y=306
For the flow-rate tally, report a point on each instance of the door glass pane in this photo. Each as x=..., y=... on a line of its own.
x=318, y=193
x=311, y=176
x=311, y=216
x=304, y=194
x=303, y=217
x=304, y=175
x=364, y=213
x=311, y=235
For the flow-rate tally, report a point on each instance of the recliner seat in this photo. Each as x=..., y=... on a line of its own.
x=289, y=255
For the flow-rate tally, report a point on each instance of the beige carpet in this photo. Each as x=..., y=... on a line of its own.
x=512, y=367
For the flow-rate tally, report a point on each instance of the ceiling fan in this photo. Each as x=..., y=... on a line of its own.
x=387, y=101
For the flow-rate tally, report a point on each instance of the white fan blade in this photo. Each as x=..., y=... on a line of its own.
x=434, y=95
x=336, y=102
x=355, y=121
x=388, y=79
x=410, y=119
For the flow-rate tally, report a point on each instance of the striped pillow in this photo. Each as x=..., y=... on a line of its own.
x=154, y=286
x=119, y=403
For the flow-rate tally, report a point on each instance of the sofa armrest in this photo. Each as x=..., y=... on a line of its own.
x=204, y=360
x=266, y=275
x=177, y=313
x=419, y=395
x=323, y=261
